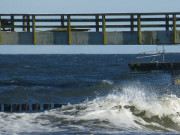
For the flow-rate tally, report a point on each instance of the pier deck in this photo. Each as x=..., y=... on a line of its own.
x=90, y=29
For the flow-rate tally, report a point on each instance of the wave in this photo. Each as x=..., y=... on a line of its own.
x=132, y=109
x=129, y=110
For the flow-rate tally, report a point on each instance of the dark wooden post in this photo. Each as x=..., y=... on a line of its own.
x=0, y=31
x=167, y=22
x=97, y=23
x=25, y=107
x=24, y=23
x=139, y=30
x=7, y=107
x=57, y=105
x=36, y=107
x=34, y=29
x=69, y=29
x=28, y=23
x=12, y=23
x=174, y=28
x=62, y=21
x=15, y=107
x=46, y=106
x=132, y=22
x=104, y=29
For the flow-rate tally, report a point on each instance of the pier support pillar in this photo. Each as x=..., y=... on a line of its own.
x=34, y=30
x=174, y=29
x=139, y=30
x=104, y=30
x=69, y=29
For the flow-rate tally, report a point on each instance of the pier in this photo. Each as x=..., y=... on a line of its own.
x=90, y=29
x=166, y=67
x=172, y=68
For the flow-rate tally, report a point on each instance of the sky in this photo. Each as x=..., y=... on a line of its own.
x=84, y=6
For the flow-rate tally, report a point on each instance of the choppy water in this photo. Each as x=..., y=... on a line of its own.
x=101, y=94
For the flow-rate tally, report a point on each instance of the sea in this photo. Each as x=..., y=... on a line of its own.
x=99, y=93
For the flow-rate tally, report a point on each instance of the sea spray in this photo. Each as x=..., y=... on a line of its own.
x=132, y=109
x=118, y=102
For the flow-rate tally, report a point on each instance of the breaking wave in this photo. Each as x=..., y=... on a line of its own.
x=133, y=109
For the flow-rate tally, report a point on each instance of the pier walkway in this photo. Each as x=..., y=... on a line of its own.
x=90, y=29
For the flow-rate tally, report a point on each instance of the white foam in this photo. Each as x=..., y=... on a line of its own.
x=107, y=82
x=132, y=109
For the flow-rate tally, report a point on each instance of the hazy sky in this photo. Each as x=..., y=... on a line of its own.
x=85, y=6
x=88, y=6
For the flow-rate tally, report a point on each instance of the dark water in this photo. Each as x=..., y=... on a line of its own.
x=101, y=94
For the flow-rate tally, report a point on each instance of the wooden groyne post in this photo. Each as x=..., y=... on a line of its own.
x=28, y=107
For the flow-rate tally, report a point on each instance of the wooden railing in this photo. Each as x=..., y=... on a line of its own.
x=91, y=22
